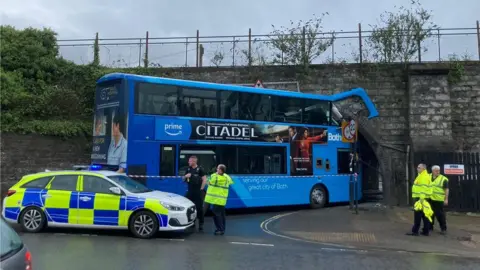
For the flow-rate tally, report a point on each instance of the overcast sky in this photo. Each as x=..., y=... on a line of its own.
x=125, y=18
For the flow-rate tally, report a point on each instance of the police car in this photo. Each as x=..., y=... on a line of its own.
x=95, y=199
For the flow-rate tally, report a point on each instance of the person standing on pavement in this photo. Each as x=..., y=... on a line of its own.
x=196, y=179
x=421, y=190
x=217, y=194
x=439, y=198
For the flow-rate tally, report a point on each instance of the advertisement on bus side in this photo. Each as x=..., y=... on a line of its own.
x=300, y=139
x=109, y=128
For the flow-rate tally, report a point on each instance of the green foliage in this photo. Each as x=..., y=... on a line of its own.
x=42, y=92
x=399, y=36
x=61, y=128
x=300, y=43
x=457, y=67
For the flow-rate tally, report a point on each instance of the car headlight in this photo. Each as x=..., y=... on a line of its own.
x=172, y=207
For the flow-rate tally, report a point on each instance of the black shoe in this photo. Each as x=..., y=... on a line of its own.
x=443, y=232
x=412, y=234
x=200, y=228
x=425, y=233
x=219, y=233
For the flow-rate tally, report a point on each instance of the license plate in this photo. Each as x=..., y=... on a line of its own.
x=193, y=216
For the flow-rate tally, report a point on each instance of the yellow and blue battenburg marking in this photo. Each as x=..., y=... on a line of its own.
x=83, y=208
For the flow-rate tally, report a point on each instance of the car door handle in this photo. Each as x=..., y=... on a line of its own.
x=46, y=195
x=85, y=199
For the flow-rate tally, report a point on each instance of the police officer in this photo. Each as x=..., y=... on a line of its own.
x=196, y=179
x=217, y=194
x=439, y=197
x=421, y=190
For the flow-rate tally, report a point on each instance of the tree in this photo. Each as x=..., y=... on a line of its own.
x=218, y=57
x=399, y=35
x=42, y=92
x=32, y=52
x=301, y=43
x=256, y=55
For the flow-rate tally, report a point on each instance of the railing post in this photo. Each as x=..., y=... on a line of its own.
x=198, y=43
x=249, y=46
x=145, y=59
x=360, y=43
x=439, y=50
x=233, y=52
x=186, y=52
x=140, y=53
x=419, y=44
x=478, y=38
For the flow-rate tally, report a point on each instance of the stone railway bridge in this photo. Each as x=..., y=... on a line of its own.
x=420, y=107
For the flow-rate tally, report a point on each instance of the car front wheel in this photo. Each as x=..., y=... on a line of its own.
x=32, y=219
x=143, y=224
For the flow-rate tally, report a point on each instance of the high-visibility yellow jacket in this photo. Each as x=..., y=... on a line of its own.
x=424, y=206
x=438, y=192
x=217, y=191
x=421, y=188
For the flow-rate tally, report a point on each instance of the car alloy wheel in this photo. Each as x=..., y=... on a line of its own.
x=32, y=219
x=144, y=225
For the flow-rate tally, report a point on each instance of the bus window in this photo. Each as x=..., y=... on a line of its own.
x=343, y=161
x=228, y=105
x=287, y=110
x=316, y=112
x=261, y=160
x=156, y=99
x=206, y=159
x=255, y=107
x=198, y=102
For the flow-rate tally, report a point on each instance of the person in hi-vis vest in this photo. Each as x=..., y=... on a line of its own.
x=421, y=191
x=439, y=198
x=217, y=194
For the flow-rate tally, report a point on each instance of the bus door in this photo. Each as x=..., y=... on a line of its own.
x=167, y=170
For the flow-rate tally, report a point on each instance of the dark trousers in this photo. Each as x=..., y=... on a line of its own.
x=439, y=214
x=418, y=217
x=219, y=217
x=197, y=198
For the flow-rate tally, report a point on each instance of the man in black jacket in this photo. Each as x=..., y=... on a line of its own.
x=196, y=179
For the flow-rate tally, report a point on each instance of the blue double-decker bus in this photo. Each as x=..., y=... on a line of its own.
x=280, y=147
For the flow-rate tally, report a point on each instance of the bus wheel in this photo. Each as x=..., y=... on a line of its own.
x=318, y=197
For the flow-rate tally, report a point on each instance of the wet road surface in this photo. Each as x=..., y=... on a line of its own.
x=245, y=246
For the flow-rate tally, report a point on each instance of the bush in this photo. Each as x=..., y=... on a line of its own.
x=42, y=92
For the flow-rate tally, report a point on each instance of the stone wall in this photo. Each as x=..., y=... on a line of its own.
x=418, y=106
x=24, y=154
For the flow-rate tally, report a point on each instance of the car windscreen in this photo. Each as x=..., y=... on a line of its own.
x=10, y=242
x=129, y=184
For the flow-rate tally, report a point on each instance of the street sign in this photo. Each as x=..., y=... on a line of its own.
x=454, y=169
x=349, y=131
x=258, y=84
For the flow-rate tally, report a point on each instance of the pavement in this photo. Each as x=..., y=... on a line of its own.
x=376, y=227
x=248, y=243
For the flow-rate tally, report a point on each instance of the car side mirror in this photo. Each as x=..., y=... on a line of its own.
x=115, y=190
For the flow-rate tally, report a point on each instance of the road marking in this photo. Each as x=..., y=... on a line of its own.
x=253, y=244
x=264, y=227
x=171, y=239
x=260, y=244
